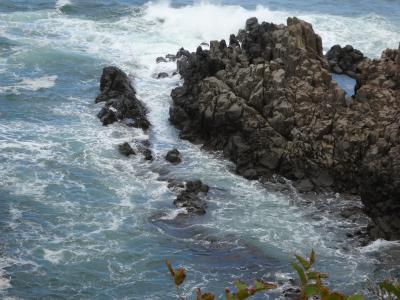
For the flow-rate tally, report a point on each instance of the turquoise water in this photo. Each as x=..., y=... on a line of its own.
x=78, y=221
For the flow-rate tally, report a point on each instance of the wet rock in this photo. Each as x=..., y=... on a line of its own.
x=291, y=293
x=126, y=149
x=175, y=184
x=304, y=185
x=173, y=156
x=190, y=198
x=162, y=75
x=144, y=149
x=148, y=155
x=160, y=60
x=170, y=57
x=270, y=106
x=120, y=100
x=233, y=41
x=196, y=186
x=344, y=60
x=107, y=116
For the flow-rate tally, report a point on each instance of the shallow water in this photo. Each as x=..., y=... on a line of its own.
x=77, y=220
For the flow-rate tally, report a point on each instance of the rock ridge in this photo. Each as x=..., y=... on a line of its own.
x=121, y=103
x=267, y=100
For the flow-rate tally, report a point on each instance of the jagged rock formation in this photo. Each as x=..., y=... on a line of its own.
x=267, y=100
x=173, y=156
x=376, y=125
x=126, y=149
x=190, y=196
x=120, y=100
x=344, y=60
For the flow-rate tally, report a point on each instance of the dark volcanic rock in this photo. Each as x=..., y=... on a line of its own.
x=170, y=57
x=120, y=100
x=271, y=106
x=378, y=107
x=144, y=149
x=126, y=149
x=162, y=75
x=173, y=156
x=148, y=155
x=344, y=60
x=190, y=198
x=160, y=60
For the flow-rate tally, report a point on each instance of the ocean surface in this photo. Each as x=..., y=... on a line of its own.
x=79, y=221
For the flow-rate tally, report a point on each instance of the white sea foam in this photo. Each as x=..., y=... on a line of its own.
x=35, y=84
x=61, y=3
x=380, y=245
x=131, y=192
x=31, y=84
x=5, y=281
x=54, y=257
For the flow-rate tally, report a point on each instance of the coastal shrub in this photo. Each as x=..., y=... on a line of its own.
x=243, y=290
x=311, y=285
x=311, y=281
x=386, y=290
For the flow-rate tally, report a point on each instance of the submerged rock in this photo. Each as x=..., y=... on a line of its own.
x=126, y=149
x=173, y=156
x=271, y=106
x=144, y=149
x=190, y=198
x=160, y=60
x=120, y=100
x=162, y=75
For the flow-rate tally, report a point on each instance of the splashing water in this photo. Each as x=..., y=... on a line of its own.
x=77, y=220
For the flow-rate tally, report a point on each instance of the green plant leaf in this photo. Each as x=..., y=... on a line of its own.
x=243, y=294
x=241, y=285
x=312, y=290
x=315, y=275
x=303, y=261
x=300, y=272
x=390, y=288
x=260, y=285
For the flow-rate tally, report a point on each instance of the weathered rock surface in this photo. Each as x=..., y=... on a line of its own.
x=173, y=156
x=189, y=198
x=344, y=60
x=377, y=125
x=126, y=149
x=271, y=106
x=120, y=100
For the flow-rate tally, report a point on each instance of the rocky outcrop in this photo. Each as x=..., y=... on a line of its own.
x=190, y=198
x=268, y=102
x=378, y=125
x=120, y=100
x=126, y=149
x=173, y=156
x=344, y=60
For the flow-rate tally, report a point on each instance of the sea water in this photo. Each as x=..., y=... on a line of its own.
x=79, y=221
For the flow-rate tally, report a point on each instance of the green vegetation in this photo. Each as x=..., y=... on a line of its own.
x=311, y=285
x=387, y=290
x=311, y=281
